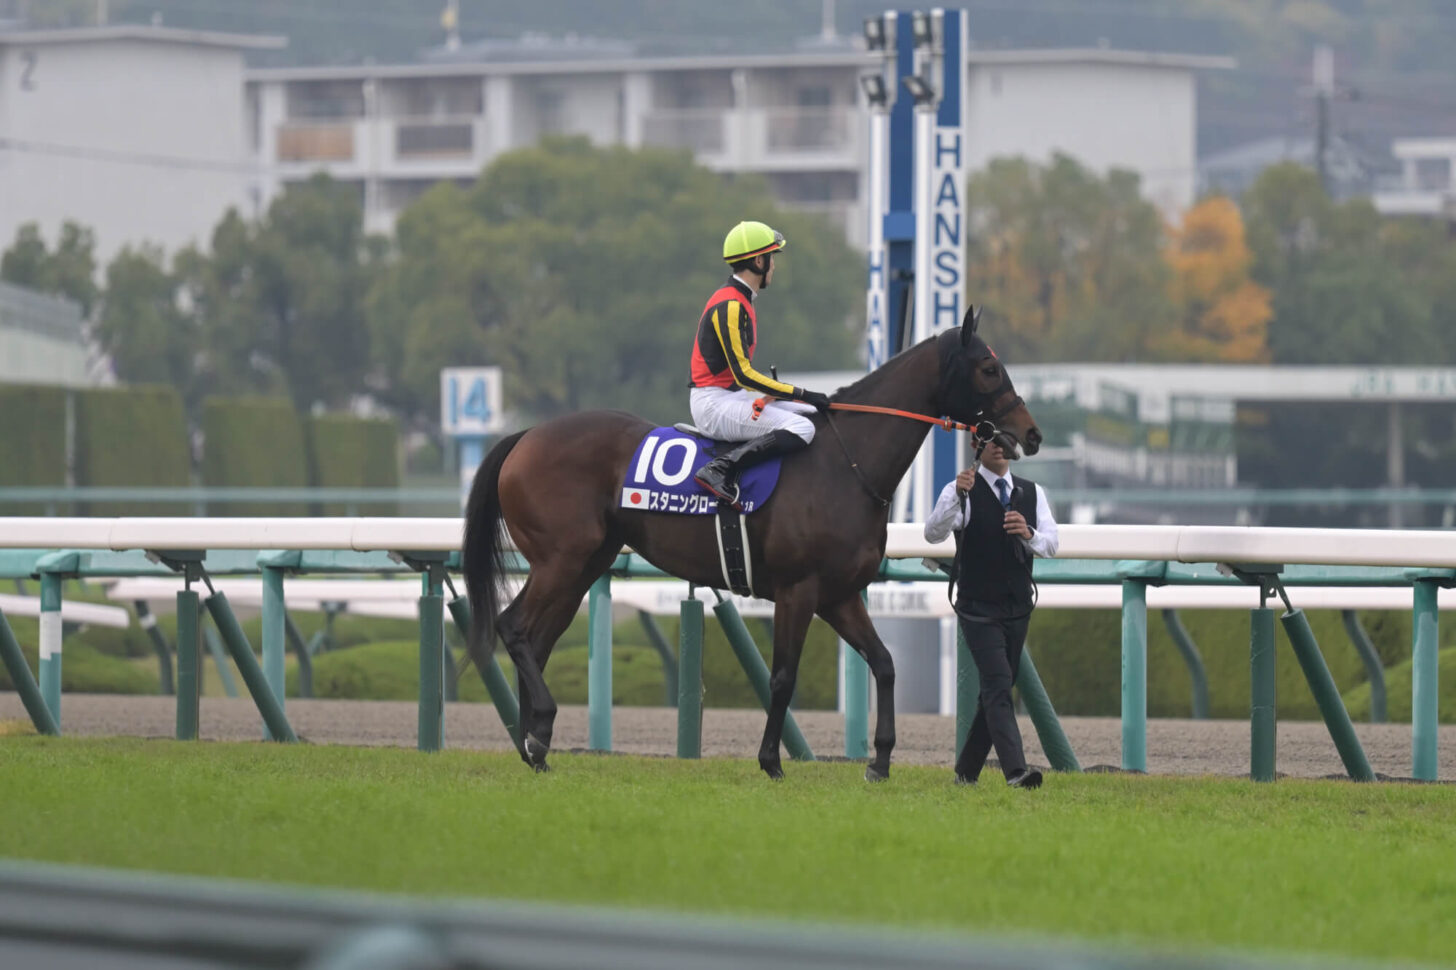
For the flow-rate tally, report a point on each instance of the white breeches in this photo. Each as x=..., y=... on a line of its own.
x=727, y=414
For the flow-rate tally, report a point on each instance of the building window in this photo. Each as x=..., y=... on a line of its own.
x=1433, y=174
x=433, y=141
x=315, y=143
x=325, y=99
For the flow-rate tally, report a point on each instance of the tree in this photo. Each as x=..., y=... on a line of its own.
x=280, y=302
x=581, y=271
x=1349, y=288
x=142, y=327
x=1066, y=263
x=1341, y=295
x=69, y=271
x=1222, y=314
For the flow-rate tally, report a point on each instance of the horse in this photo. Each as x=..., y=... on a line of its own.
x=819, y=539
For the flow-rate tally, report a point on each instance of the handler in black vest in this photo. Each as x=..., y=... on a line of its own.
x=1000, y=522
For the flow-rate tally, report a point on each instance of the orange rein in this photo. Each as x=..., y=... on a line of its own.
x=945, y=424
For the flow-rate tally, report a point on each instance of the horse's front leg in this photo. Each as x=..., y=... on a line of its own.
x=793, y=609
x=851, y=620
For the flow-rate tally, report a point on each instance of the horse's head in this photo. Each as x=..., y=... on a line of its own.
x=976, y=390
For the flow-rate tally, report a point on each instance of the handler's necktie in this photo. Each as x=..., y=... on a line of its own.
x=1004, y=491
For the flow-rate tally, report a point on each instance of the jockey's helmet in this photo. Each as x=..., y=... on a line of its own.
x=749, y=239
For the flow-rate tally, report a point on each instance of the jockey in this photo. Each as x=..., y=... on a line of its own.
x=724, y=383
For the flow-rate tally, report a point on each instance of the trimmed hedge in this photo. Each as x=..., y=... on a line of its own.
x=83, y=668
x=1078, y=654
x=134, y=436
x=1398, y=692
x=33, y=442
x=350, y=452
x=253, y=442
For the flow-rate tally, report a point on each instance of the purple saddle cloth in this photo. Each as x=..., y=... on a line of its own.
x=660, y=475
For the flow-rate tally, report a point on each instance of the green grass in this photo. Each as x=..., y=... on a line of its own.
x=1327, y=867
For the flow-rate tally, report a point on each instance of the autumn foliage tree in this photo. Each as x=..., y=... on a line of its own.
x=1220, y=313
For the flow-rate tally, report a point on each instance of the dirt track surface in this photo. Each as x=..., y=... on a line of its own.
x=1173, y=746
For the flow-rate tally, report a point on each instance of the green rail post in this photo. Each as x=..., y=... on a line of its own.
x=148, y=622
x=300, y=650
x=1326, y=695
x=496, y=685
x=1263, y=729
x=1044, y=716
x=242, y=654
x=189, y=664
x=1197, y=676
x=856, y=702
x=1374, y=669
x=273, y=636
x=24, y=681
x=690, y=678
x=1425, y=637
x=1135, y=675
x=968, y=691
x=431, y=735
x=664, y=652
x=856, y=699
x=599, y=665
x=50, y=642
x=752, y=662
x=218, y=652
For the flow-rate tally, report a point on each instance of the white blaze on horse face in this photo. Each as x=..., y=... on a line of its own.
x=659, y=465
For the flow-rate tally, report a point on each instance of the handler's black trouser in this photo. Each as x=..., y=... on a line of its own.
x=995, y=645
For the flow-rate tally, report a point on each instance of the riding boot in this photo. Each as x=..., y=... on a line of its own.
x=720, y=476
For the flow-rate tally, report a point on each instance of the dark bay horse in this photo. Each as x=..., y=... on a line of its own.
x=817, y=543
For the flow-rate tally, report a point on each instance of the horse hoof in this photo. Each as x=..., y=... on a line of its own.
x=536, y=753
x=774, y=772
x=873, y=774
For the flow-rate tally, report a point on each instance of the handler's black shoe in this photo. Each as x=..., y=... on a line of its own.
x=1025, y=778
x=961, y=779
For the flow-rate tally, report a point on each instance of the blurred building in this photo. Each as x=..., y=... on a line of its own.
x=135, y=131
x=149, y=133
x=798, y=119
x=1426, y=185
x=42, y=340
x=1349, y=171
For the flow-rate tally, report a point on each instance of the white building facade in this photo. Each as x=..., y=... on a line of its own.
x=797, y=119
x=149, y=134
x=1426, y=185
x=137, y=132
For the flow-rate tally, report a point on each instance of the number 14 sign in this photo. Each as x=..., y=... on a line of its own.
x=470, y=401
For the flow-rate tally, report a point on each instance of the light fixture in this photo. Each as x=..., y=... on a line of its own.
x=874, y=33
x=874, y=89
x=920, y=28
x=919, y=89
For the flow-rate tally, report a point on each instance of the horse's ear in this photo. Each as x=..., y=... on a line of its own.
x=969, y=323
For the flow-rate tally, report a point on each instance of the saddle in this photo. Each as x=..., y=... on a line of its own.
x=660, y=479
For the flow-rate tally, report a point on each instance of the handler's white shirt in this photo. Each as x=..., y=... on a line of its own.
x=951, y=514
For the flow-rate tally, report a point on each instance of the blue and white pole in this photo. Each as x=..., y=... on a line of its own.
x=472, y=453
x=50, y=643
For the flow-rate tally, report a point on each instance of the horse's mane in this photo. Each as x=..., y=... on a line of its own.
x=871, y=382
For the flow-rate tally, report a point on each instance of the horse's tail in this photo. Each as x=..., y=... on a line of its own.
x=483, y=558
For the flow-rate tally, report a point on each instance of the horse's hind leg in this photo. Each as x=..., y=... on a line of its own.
x=530, y=628
x=852, y=622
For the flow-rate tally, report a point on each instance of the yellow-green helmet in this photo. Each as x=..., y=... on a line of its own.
x=749, y=239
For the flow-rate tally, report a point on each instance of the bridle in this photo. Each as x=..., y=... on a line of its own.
x=984, y=430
